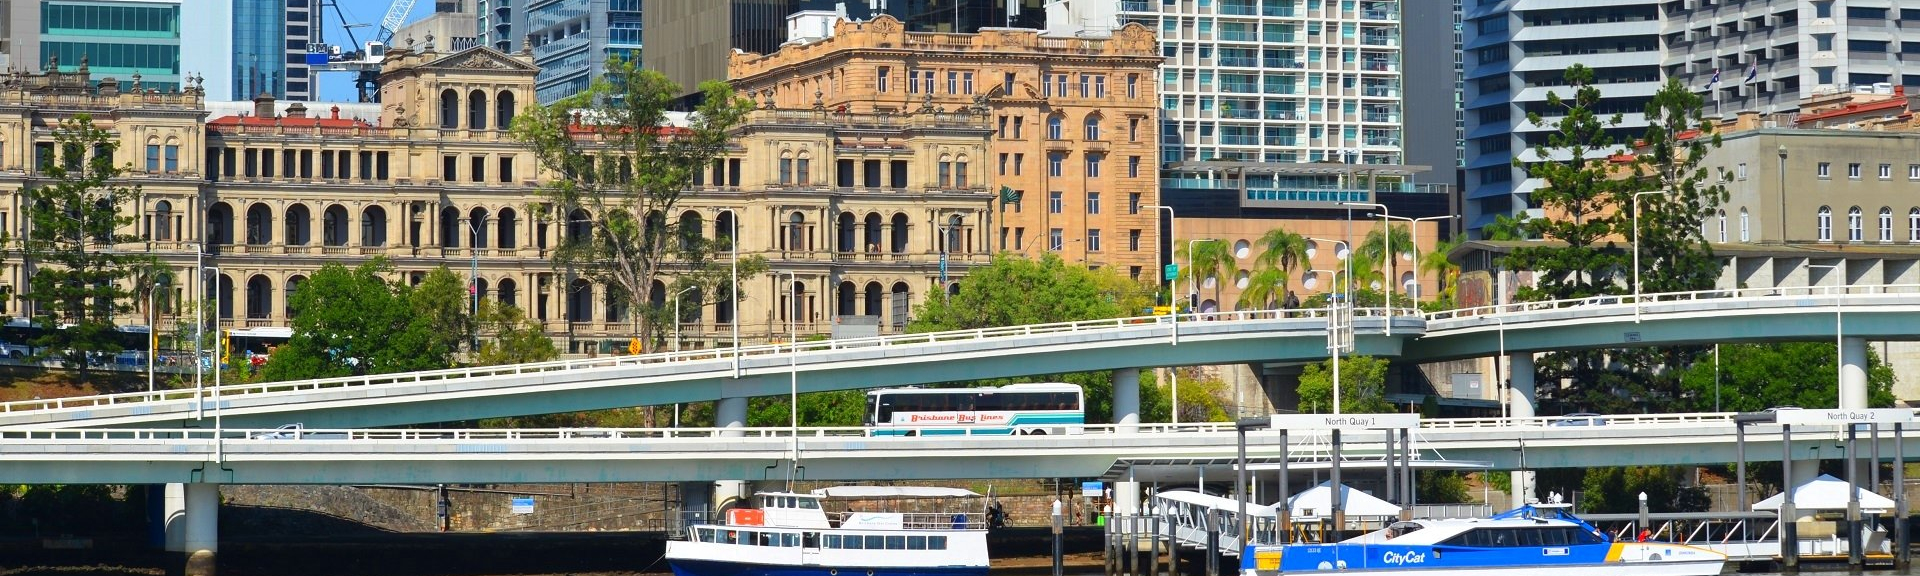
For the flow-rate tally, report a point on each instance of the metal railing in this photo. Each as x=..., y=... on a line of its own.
x=711, y=354
x=1626, y=301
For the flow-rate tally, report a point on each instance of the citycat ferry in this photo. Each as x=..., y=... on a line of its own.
x=842, y=531
x=1523, y=542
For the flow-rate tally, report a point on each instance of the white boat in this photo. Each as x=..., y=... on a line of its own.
x=1528, y=541
x=822, y=534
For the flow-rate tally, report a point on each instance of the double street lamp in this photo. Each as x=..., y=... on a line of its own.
x=1334, y=345
x=1413, y=232
x=733, y=286
x=1386, y=256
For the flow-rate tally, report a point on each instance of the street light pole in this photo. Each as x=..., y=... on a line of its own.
x=1413, y=225
x=793, y=370
x=1193, y=282
x=1333, y=334
x=217, y=340
x=1386, y=257
x=473, y=282
x=733, y=285
x=1172, y=307
x=199, y=328
x=1635, y=207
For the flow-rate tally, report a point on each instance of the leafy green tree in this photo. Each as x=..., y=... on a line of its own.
x=1203, y=399
x=617, y=157
x=1441, y=487
x=1754, y=377
x=1281, y=253
x=512, y=337
x=1616, y=490
x=1580, y=190
x=76, y=280
x=1363, y=386
x=1435, y=263
x=353, y=321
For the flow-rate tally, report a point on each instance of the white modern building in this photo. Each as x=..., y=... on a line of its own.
x=1767, y=55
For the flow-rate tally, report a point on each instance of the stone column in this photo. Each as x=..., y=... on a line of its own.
x=1126, y=399
x=174, y=517
x=729, y=413
x=1853, y=374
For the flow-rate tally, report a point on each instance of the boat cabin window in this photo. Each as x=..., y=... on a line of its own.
x=1514, y=537
x=810, y=540
x=877, y=542
x=1399, y=529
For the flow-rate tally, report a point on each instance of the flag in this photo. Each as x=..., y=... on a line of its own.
x=1753, y=70
x=1714, y=80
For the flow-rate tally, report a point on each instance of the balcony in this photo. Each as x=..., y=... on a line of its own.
x=1379, y=40
x=1272, y=196
x=1136, y=6
x=1237, y=36
x=1277, y=37
x=1274, y=9
x=1381, y=92
x=1239, y=88
x=1283, y=63
x=1239, y=61
x=1239, y=140
x=1237, y=9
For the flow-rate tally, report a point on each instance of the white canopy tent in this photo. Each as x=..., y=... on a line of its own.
x=1827, y=493
x=1318, y=501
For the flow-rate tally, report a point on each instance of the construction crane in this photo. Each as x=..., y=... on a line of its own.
x=361, y=59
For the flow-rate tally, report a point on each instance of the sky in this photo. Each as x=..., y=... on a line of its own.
x=338, y=86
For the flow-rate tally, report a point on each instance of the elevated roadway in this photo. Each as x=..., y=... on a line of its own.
x=425, y=456
x=1290, y=336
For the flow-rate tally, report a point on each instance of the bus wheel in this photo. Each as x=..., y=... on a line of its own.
x=913, y=433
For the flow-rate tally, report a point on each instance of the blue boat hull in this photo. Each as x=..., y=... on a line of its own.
x=713, y=568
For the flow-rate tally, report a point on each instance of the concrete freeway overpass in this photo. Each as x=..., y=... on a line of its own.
x=430, y=456
x=1772, y=314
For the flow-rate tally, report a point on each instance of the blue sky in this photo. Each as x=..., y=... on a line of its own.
x=338, y=86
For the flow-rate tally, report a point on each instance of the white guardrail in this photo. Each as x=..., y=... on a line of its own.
x=713, y=354
x=1613, y=302
x=1688, y=420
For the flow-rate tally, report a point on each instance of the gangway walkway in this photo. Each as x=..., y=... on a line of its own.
x=1742, y=536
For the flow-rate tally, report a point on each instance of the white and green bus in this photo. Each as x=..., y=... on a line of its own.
x=1014, y=409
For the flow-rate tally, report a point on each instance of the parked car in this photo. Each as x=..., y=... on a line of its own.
x=1581, y=419
x=297, y=431
x=15, y=351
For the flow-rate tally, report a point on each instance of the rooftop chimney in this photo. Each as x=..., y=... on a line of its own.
x=336, y=113
x=263, y=105
x=297, y=110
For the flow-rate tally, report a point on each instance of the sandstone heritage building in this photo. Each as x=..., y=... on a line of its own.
x=1074, y=123
x=860, y=207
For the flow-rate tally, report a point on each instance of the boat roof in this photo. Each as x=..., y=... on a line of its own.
x=1434, y=531
x=862, y=492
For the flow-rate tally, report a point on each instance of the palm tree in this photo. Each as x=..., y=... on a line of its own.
x=1367, y=260
x=1435, y=262
x=1211, y=260
x=1280, y=252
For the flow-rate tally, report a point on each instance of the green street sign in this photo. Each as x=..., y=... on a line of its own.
x=1172, y=271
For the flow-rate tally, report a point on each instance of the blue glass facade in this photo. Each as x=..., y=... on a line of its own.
x=259, y=38
x=116, y=40
x=573, y=38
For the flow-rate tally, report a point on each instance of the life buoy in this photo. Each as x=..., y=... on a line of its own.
x=833, y=572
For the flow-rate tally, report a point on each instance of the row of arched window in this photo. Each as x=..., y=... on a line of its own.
x=476, y=109
x=1856, y=224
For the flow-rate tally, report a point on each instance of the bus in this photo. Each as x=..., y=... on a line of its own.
x=1014, y=409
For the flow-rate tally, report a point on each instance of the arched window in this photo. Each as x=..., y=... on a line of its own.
x=373, y=227
x=1722, y=225
x=690, y=308
x=293, y=285
x=723, y=227
x=951, y=241
x=477, y=228
x=162, y=227
x=449, y=109
x=579, y=226
x=219, y=224
x=1886, y=224
x=503, y=112
x=873, y=232
x=507, y=227
x=449, y=227
x=690, y=228
x=845, y=300
x=900, y=229
x=1746, y=227
x=1092, y=126
x=796, y=232
x=1913, y=225
x=224, y=291
x=843, y=231
x=477, y=110
x=299, y=225
x=897, y=306
x=508, y=292
x=1054, y=132
x=333, y=226
x=1855, y=225
x=259, y=225
x=803, y=169
x=259, y=297
x=873, y=296
x=1824, y=224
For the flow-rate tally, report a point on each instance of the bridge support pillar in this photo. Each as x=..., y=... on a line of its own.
x=729, y=413
x=173, y=517
x=1126, y=399
x=203, y=527
x=1853, y=374
x=1520, y=393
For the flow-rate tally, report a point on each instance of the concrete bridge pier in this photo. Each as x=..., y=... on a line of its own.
x=173, y=517
x=1521, y=400
x=1853, y=374
x=730, y=413
x=1126, y=399
x=202, y=538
